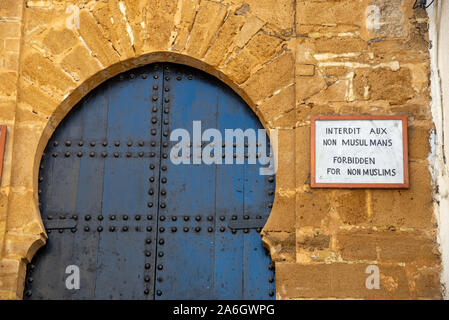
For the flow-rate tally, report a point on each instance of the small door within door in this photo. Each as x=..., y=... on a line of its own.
x=125, y=222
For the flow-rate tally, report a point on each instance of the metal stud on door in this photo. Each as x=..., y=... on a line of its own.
x=136, y=225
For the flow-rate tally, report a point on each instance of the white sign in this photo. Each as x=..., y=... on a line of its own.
x=359, y=152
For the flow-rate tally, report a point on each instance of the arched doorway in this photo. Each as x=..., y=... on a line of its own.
x=134, y=224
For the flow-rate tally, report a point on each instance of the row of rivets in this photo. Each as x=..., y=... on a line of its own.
x=73, y=230
x=212, y=154
x=149, y=229
x=163, y=179
x=111, y=217
x=62, y=217
x=104, y=154
x=149, y=217
x=28, y=293
x=151, y=192
x=271, y=292
x=223, y=145
x=141, y=154
x=138, y=217
x=111, y=229
x=105, y=143
x=133, y=76
x=186, y=229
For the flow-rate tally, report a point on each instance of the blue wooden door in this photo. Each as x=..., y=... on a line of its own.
x=134, y=224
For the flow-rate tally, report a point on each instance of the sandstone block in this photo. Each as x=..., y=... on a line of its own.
x=184, y=18
x=351, y=206
x=80, y=64
x=112, y=17
x=281, y=73
x=93, y=36
x=135, y=12
x=302, y=158
x=339, y=45
x=58, y=40
x=338, y=280
x=326, y=13
x=278, y=105
x=209, y=18
x=385, y=84
x=312, y=208
x=315, y=241
x=280, y=13
x=259, y=49
x=12, y=61
x=36, y=99
x=281, y=243
x=8, y=82
x=9, y=29
x=159, y=25
x=308, y=86
x=411, y=207
x=8, y=113
x=419, y=142
x=249, y=29
x=11, y=8
x=336, y=92
x=52, y=78
x=388, y=246
x=36, y=18
x=427, y=284
x=23, y=170
x=285, y=176
x=226, y=36
x=12, y=45
x=306, y=70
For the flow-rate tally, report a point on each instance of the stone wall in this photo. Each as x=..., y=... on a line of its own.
x=288, y=59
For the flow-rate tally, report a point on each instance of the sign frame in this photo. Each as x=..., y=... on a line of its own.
x=313, y=182
x=2, y=147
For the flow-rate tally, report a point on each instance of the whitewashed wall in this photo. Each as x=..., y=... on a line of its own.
x=439, y=37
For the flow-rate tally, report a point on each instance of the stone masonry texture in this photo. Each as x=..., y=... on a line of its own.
x=288, y=59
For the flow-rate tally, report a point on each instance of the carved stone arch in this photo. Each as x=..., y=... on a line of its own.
x=48, y=91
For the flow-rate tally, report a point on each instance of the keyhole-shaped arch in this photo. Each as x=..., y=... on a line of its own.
x=115, y=204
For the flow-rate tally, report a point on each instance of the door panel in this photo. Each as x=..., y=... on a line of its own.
x=136, y=225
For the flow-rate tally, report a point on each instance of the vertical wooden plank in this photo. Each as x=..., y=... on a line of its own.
x=93, y=110
x=122, y=258
x=58, y=181
x=258, y=200
x=186, y=258
x=229, y=205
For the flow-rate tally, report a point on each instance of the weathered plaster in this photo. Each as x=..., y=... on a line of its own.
x=438, y=23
